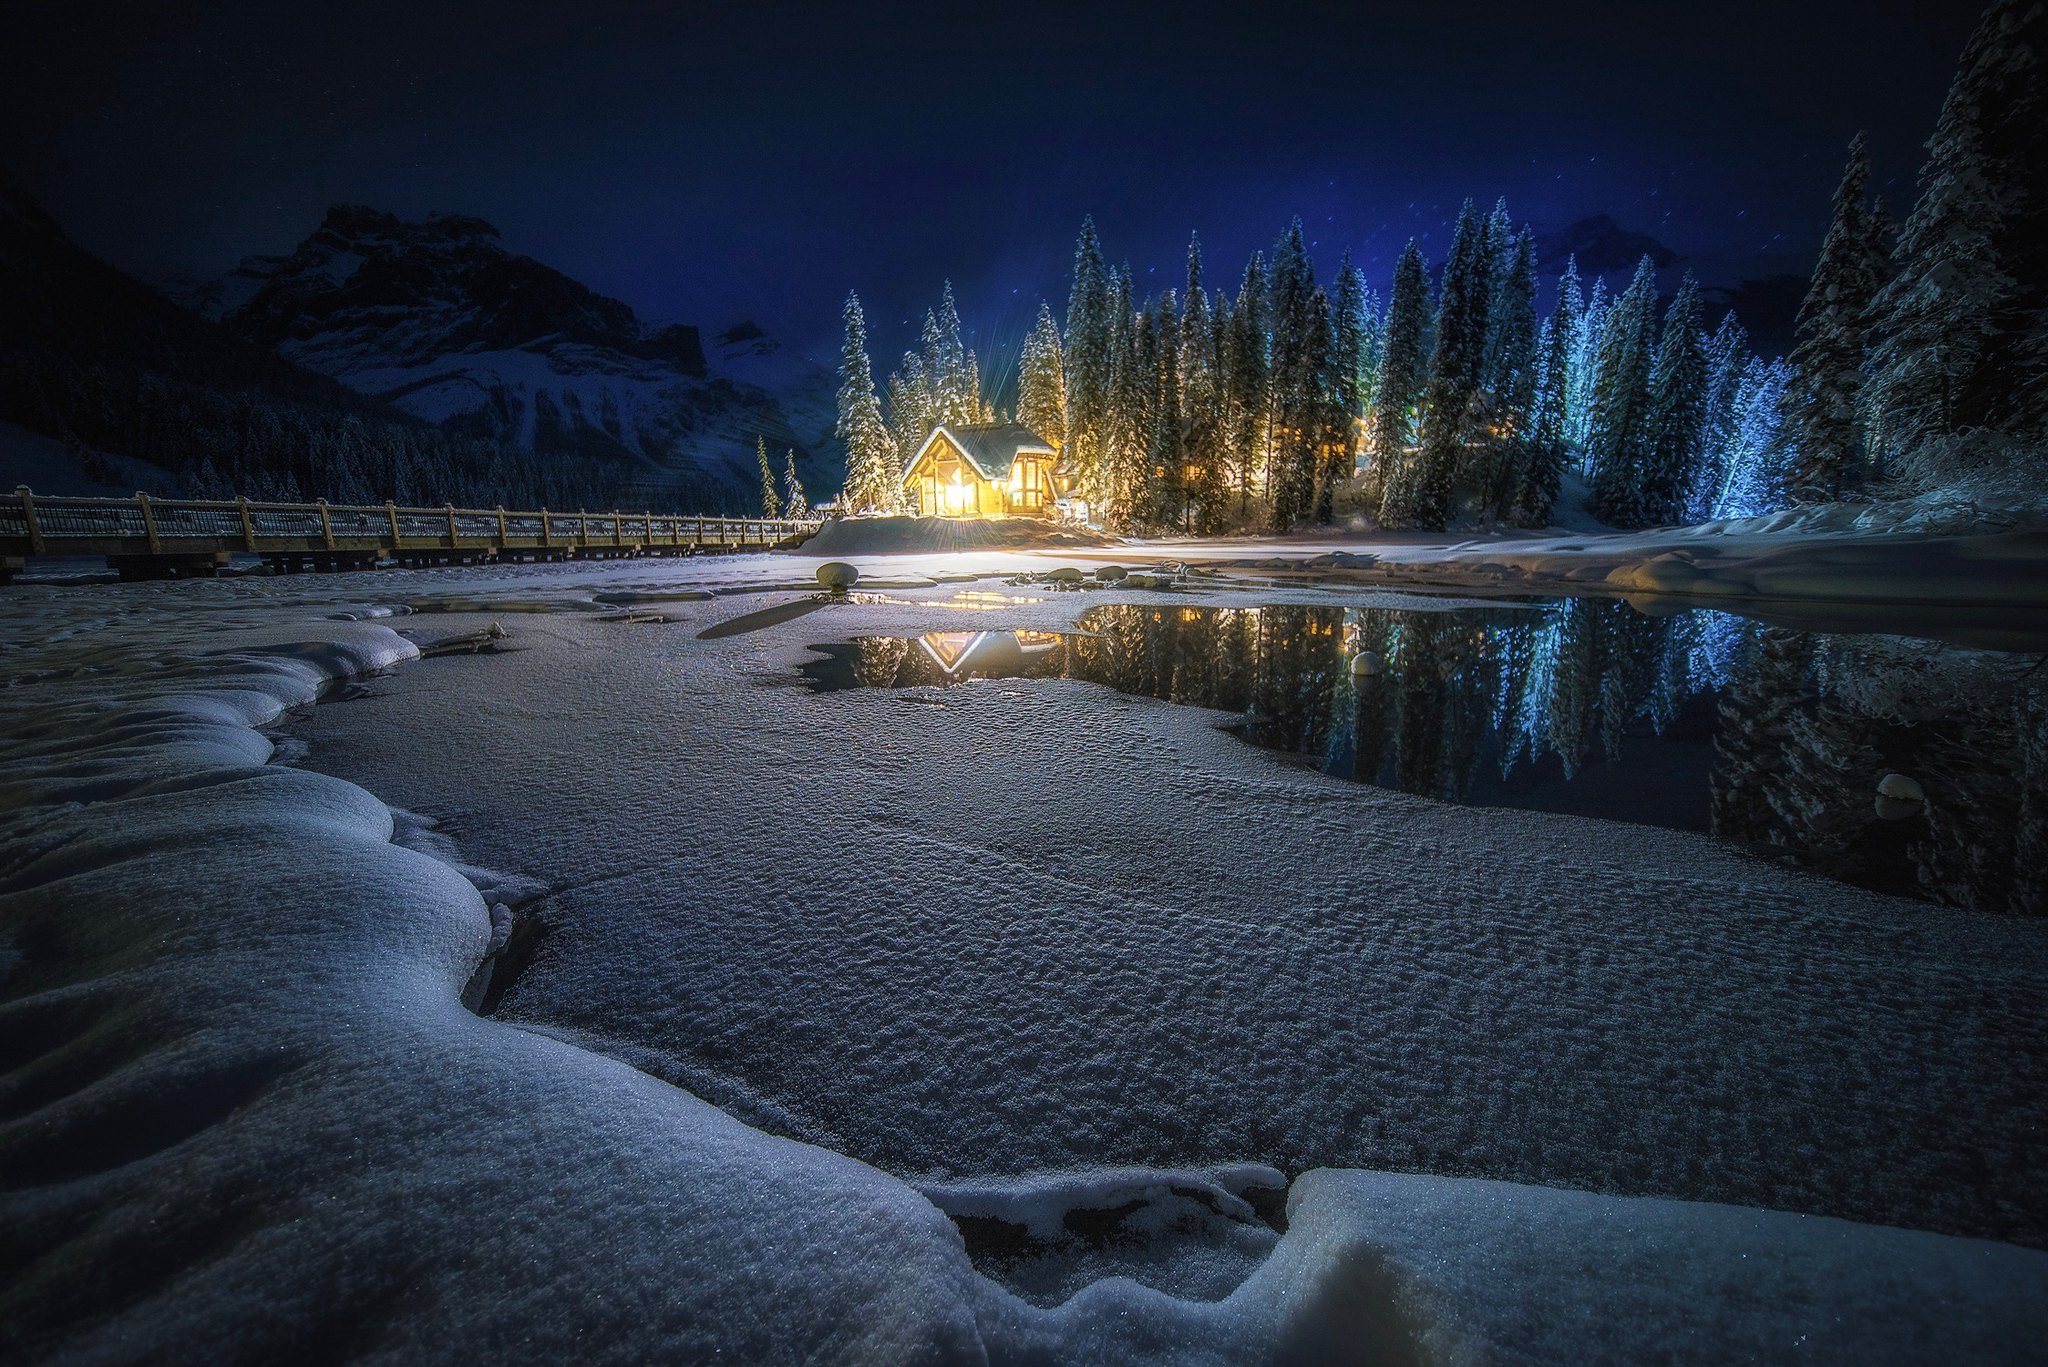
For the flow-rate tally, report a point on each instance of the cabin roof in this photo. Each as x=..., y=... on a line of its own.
x=990, y=447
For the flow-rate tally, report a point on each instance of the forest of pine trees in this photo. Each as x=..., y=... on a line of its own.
x=1297, y=400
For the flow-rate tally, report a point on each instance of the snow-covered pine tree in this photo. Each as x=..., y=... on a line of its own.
x=1588, y=326
x=1090, y=357
x=1828, y=359
x=1543, y=450
x=1168, y=447
x=872, y=473
x=1621, y=402
x=771, y=502
x=1351, y=332
x=1127, y=484
x=1753, y=480
x=794, y=504
x=1391, y=428
x=1201, y=397
x=912, y=412
x=1042, y=382
x=1502, y=243
x=1727, y=358
x=1454, y=367
x=1962, y=326
x=951, y=368
x=1330, y=427
x=1247, y=372
x=1678, y=400
x=1512, y=364
x=1291, y=458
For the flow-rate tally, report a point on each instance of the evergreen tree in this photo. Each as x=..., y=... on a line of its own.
x=1543, y=446
x=1391, y=429
x=1589, y=327
x=795, y=505
x=1454, y=371
x=1201, y=398
x=1962, y=325
x=1727, y=358
x=1760, y=450
x=1292, y=454
x=1351, y=338
x=1042, y=382
x=1127, y=482
x=1678, y=400
x=771, y=502
x=1168, y=452
x=1828, y=360
x=872, y=472
x=1246, y=380
x=911, y=412
x=950, y=368
x=1090, y=357
x=1512, y=367
x=1501, y=246
x=1621, y=402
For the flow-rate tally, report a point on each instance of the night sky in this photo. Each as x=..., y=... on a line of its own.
x=712, y=162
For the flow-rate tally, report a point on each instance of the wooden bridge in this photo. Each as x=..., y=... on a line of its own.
x=150, y=538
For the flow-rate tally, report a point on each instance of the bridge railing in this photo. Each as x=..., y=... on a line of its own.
x=31, y=524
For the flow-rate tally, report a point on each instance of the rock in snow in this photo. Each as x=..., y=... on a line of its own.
x=245, y=1116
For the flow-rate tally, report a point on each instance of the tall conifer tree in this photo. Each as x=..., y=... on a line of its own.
x=1042, y=382
x=771, y=502
x=1678, y=402
x=872, y=473
x=1090, y=357
x=1246, y=377
x=1828, y=360
x=1619, y=423
x=1391, y=428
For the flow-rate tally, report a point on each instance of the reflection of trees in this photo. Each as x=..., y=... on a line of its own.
x=1809, y=724
x=877, y=659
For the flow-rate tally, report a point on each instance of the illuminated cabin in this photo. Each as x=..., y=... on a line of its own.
x=995, y=469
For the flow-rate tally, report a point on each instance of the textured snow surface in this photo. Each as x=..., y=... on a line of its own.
x=243, y=1116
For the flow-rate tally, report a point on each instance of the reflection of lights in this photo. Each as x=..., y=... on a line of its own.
x=980, y=600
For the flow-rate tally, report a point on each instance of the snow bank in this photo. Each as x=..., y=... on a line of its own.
x=887, y=535
x=240, y=1103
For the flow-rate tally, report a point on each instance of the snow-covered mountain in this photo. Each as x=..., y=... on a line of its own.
x=439, y=319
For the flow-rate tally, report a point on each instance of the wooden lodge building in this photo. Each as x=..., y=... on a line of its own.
x=995, y=469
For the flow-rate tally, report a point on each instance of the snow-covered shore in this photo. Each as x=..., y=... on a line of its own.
x=243, y=1104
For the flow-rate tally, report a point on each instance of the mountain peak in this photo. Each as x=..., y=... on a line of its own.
x=1603, y=247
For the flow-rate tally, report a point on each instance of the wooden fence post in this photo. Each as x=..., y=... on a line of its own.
x=391, y=512
x=248, y=524
x=326, y=524
x=501, y=526
x=28, y=515
x=148, y=522
x=544, y=542
x=451, y=526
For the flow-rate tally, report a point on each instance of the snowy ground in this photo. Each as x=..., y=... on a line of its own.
x=979, y=942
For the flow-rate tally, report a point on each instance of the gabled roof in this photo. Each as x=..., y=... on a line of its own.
x=990, y=447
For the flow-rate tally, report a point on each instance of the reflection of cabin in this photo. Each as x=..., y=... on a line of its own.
x=996, y=469
x=991, y=654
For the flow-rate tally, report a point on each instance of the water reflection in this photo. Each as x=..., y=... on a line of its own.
x=1765, y=736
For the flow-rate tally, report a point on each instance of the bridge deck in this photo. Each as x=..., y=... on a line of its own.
x=150, y=536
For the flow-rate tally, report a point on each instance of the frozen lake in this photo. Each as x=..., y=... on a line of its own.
x=1044, y=924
